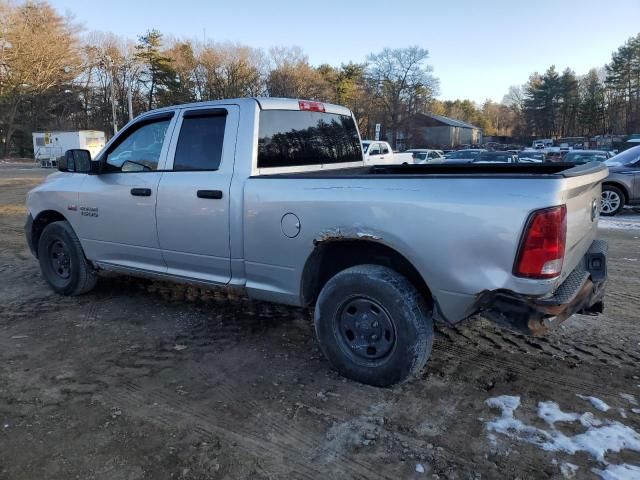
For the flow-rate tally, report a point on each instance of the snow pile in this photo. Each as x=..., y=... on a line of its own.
x=619, y=224
x=568, y=470
x=598, y=438
x=618, y=472
x=596, y=402
x=629, y=398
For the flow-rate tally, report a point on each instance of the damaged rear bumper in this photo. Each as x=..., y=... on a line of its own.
x=581, y=292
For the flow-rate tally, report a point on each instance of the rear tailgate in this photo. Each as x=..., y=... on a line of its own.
x=581, y=189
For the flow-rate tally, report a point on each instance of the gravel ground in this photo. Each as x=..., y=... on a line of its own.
x=142, y=379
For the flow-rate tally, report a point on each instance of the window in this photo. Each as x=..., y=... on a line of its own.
x=384, y=149
x=139, y=149
x=290, y=138
x=200, y=142
x=375, y=149
x=434, y=155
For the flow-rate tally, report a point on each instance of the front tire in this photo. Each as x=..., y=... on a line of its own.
x=62, y=260
x=612, y=201
x=373, y=325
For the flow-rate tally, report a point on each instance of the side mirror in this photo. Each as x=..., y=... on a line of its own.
x=78, y=161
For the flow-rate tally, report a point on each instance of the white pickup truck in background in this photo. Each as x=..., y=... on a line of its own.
x=380, y=153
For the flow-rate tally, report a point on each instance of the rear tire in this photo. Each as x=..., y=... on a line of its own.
x=373, y=325
x=612, y=201
x=62, y=260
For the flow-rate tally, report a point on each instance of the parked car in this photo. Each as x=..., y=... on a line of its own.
x=380, y=153
x=585, y=156
x=425, y=155
x=496, y=157
x=622, y=186
x=531, y=156
x=272, y=196
x=463, y=156
x=542, y=143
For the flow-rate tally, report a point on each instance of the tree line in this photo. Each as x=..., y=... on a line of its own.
x=55, y=77
x=557, y=104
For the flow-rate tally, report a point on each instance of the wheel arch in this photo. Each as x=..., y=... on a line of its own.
x=619, y=186
x=41, y=220
x=330, y=257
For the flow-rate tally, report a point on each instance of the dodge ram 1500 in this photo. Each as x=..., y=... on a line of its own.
x=273, y=196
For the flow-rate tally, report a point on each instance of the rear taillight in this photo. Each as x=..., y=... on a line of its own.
x=310, y=106
x=542, y=247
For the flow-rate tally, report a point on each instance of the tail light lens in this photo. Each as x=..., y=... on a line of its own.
x=542, y=247
x=310, y=106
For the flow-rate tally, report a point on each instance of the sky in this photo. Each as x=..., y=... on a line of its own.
x=476, y=48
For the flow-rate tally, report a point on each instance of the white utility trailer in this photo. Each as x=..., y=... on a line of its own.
x=49, y=146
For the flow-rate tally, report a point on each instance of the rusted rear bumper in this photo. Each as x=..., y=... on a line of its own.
x=581, y=292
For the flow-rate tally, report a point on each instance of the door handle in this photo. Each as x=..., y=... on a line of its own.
x=141, y=192
x=214, y=194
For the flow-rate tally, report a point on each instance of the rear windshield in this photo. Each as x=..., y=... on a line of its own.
x=289, y=138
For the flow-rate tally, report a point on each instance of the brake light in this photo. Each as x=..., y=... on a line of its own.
x=310, y=106
x=542, y=247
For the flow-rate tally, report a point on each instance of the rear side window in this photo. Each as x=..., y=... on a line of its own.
x=289, y=138
x=200, y=142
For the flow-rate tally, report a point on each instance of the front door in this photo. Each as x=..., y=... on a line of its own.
x=193, y=197
x=118, y=207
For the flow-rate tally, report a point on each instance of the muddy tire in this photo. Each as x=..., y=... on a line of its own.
x=62, y=261
x=373, y=325
x=612, y=201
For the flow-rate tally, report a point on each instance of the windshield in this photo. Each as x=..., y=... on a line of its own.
x=365, y=146
x=627, y=157
x=585, y=157
x=471, y=154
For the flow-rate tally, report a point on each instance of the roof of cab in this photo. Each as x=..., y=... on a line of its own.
x=265, y=103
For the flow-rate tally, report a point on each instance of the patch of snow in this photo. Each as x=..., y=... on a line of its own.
x=629, y=398
x=631, y=259
x=618, y=224
x=419, y=468
x=618, y=472
x=550, y=412
x=622, y=412
x=635, y=410
x=598, y=438
x=596, y=402
x=568, y=470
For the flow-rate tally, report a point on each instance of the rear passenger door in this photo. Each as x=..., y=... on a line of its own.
x=193, y=196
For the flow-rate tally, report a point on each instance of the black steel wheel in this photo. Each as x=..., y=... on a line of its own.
x=62, y=260
x=365, y=329
x=373, y=325
x=59, y=258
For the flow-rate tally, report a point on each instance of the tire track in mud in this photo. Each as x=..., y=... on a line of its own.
x=525, y=367
x=196, y=336
x=567, y=348
x=289, y=450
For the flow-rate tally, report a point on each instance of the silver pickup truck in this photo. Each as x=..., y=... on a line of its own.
x=272, y=196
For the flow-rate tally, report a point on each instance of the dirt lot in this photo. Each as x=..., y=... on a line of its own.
x=143, y=379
